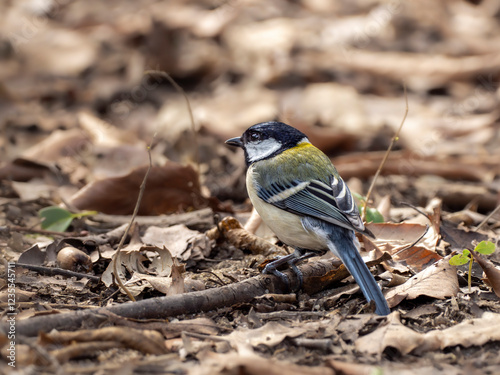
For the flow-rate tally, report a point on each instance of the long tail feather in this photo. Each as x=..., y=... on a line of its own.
x=348, y=253
x=358, y=269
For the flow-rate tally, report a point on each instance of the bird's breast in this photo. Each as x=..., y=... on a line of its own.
x=286, y=225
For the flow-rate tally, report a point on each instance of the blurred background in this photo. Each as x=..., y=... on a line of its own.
x=78, y=102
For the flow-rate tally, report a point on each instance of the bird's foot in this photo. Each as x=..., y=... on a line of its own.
x=291, y=260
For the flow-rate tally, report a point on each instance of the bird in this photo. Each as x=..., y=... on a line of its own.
x=300, y=196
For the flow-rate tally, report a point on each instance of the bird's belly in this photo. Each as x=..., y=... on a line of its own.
x=287, y=226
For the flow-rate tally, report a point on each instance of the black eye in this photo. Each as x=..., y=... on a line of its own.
x=255, y=136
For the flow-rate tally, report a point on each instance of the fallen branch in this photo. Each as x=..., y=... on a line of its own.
x=51, y=271
x=317, y=276
x=231, y=230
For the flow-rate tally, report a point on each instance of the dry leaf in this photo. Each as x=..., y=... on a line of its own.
x=392, y=334
x=437, y=281
x=170, y=188
x=492, y=272
x=182, y=242
x=270, y=335
x=405, y=340
x=159, y=259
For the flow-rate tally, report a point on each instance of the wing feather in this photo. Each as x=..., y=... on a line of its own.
x=332, y=202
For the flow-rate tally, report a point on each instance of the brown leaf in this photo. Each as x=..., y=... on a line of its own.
x=160, y=265
x=21, y=169
x=394, y=238
x=492, y=273
x=182, y=242
x=405, y=340
x=392, y=334
x=170, y=188
x=177, y=286
x=437, y=281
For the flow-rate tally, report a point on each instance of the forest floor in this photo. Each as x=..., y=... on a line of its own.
x=93, y=94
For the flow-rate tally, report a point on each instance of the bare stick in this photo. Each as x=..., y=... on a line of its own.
x=190, y=111
x=393, y=140
x=50, y=271
x=487, y=218
x=116, y=257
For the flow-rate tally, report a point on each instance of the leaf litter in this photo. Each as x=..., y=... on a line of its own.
x=76, y=124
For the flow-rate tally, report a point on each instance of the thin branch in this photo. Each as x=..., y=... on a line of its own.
x=190, y=111
x=393, y=141
x=487, y=218
x=51, y=271
x=116, y=257
x=16, y=228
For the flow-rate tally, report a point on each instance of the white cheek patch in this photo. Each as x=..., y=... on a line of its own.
x=260, y=150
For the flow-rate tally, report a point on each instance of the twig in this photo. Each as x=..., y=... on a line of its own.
x=487, y=218
x=116, y=257
x=50, y=271
x=393, y=141
x=15, y=228
x=190, y=111
x=414, y=243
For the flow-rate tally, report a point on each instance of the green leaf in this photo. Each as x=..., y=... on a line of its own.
x=373, y=216
x=359, y=197
x=459, y=259
x=485, y=247
x=55, y=218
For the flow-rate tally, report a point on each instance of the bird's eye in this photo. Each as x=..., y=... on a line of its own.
x=255, y=136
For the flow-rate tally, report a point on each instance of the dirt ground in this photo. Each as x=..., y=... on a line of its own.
x=103, y=102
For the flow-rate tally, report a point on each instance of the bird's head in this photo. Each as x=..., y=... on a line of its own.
x=267, y=139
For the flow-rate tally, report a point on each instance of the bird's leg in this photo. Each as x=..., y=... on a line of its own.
x=291, y=259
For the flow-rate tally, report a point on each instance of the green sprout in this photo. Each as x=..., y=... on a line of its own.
x=58, y=219
x=483, y=247
x=372, y=214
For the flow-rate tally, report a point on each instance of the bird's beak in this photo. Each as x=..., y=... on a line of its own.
x=236, y=141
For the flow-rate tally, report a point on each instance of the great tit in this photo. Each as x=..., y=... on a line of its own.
x=299, y=195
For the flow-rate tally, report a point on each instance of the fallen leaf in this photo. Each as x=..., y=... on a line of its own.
x=177, y=286
x=492, y=273
x=392, y=334
x=270, y=335
x=425, y=282
x=182, y=242
x=405, y=340
x=252, y=364
x=392, y=237
x=21, y=169
x=169, y=188
x=159, y=259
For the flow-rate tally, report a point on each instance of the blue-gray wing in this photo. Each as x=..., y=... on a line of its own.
x=332, y=202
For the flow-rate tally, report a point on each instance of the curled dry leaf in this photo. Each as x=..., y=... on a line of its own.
x=169, y=188
x=405, y=340
x=437, y=281
x=492, y=273
x=177, y=286
x=159, y=259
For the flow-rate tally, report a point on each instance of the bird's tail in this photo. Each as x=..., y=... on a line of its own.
x=350, y=256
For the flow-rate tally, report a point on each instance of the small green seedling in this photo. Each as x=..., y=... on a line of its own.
x=483, y=247
x=372, y=214
x=58, y=219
